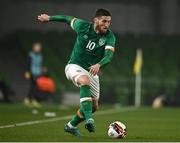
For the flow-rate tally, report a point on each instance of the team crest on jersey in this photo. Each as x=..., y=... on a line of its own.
x=101, y=41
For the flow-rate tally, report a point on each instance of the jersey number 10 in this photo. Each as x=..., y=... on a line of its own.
x=90, y=45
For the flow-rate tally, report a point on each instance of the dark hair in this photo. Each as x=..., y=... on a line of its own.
x=102, y=12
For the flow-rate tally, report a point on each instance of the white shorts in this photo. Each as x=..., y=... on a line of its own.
x=73, y=70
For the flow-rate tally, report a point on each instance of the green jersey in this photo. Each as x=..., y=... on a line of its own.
x=89, y=48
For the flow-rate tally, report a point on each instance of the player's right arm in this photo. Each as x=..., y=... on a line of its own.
x=59, y=18
x=75, y=23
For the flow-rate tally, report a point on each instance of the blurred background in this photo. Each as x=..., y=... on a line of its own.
x=149, y=25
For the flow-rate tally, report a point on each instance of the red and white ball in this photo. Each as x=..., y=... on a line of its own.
x=117, y=130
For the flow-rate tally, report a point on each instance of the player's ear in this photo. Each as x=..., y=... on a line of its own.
x=95, y=19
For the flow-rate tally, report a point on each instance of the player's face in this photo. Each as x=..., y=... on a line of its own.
x=37, y=48
x=102, y=23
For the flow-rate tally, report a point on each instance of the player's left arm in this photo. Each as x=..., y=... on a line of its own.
x=94, y=69
x=108, y=55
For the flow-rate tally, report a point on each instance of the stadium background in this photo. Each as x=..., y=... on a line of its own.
x=152, y=25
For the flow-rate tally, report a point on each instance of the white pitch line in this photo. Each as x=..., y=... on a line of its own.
x=63, y=118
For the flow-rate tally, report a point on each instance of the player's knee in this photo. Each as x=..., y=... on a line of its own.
x=84, y=80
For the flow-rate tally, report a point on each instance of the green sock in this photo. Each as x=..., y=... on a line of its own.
x=86, y=101
x=78, y=118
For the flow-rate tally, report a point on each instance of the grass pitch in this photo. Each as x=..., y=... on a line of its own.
x=143, y=124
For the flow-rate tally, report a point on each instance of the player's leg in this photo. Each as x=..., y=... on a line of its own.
x=79, y=117
x=86, y=101
x=85, y=111
x=80, y=78
x=90, y=127
x=71, y=126
x=94, y=90
x=85, y=96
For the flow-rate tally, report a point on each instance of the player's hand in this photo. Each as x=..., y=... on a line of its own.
x=94, y=69
x=43, y=18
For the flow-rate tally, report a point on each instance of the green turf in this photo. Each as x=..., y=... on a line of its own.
x=144, y=124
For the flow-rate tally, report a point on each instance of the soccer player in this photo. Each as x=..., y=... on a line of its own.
x=93, y=49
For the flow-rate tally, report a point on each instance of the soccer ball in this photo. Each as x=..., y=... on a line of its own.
x=117, y=130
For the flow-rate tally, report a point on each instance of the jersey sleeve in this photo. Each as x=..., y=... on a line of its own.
x=78, y=25
x=110, y=44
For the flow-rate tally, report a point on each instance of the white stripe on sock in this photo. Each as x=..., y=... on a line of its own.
x=85, y=98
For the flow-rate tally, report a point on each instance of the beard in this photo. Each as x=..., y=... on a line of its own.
x=101, y=29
